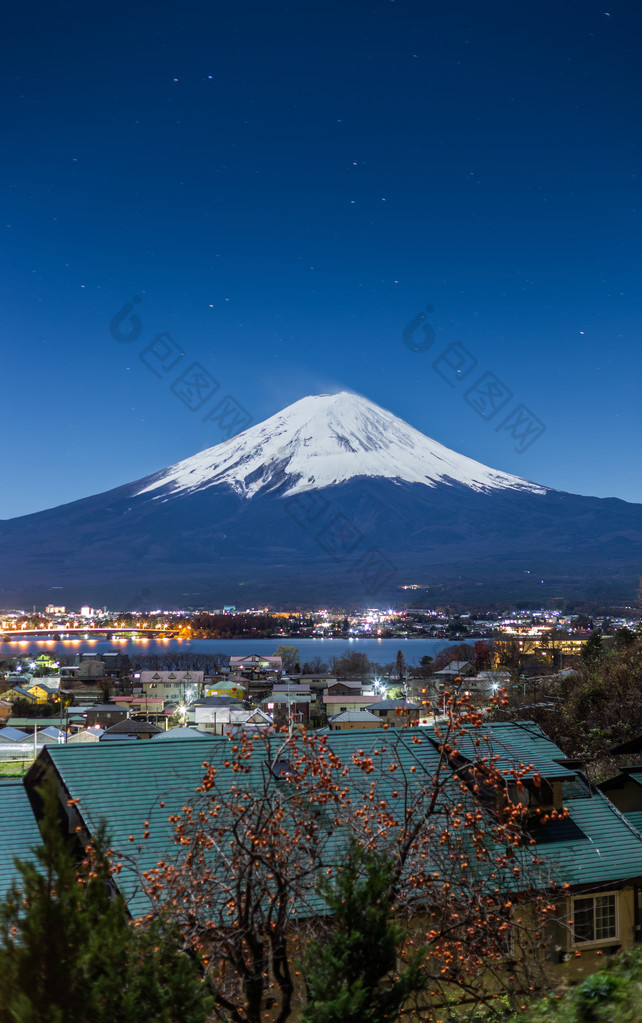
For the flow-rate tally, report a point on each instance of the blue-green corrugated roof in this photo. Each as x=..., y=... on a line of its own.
x=596, y=845
x=125, y=783
x=19, y=831
x=634, y=817
x=515, y=743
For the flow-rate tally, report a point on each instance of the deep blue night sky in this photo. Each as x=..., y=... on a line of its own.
x=286, y=188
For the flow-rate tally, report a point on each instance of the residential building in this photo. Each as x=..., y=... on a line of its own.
x=180, y=687
x=19, y=693
x=340, y=703
x=354, y=719
x=455, y=668
x=20, y=837
x=126, y=730
x=233, y=685
x=153, y=708
x=592, y=849
x=42, y=692
x=102, y=714
x=344, y=688
x=255, y=665
x=288, y=707
x=318, y=681
x=212, y=713
x=396, y=713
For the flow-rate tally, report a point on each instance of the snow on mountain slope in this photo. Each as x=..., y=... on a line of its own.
x=324, y=440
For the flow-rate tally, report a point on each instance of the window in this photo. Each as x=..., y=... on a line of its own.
x=594, y=918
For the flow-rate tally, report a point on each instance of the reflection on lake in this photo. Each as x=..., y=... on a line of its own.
x=381, y=651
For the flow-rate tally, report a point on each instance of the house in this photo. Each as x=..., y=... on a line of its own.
x=5, y=711
x=344, y=688
x=42, y=692
x=117, y=663
x=44, y=662
x=625, y=789
x=592, y=849
x=178, y=686
x=180, y=732
x=455, y=668
x=233, y=685
x=212, y=713
x=492, y=679
x=249, y=721
x=19, y=693
x=232, y=720
x=291, y=687
x=338, y=704
x=89, y=670
x=148, y=707
x=318, y=681
x=288, y=707
x=19, y=677
x=396, y=713
x=85, y=694
x=255, y=665
x=354, y=719
x=101, y=714
x=125, y=730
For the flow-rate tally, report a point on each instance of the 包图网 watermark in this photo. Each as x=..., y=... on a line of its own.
x=488, y=395
x=190, y=382
x=338, y=536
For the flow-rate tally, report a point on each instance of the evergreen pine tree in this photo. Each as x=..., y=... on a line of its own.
x=354, y=975
x=69, y=953
x=592, y=650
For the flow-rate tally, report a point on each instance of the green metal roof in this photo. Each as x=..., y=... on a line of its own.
x=124, y=783
x=19, y=831
x=515, y=743
x=634, y=817
x=596, y=845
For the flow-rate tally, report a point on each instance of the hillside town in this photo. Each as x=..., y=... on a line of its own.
x=115, y=737
x=99, y=696
x=59, y=621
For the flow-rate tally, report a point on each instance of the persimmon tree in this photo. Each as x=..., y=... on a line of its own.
x=253, y=842
x=470, y=888
x=274, y=816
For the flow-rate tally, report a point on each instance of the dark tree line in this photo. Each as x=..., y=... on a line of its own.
x=240, y=626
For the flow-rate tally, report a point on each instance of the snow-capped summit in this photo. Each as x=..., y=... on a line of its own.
x=324, y=440
x=387, y=510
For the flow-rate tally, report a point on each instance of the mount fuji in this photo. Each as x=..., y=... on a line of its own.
x=331, y=501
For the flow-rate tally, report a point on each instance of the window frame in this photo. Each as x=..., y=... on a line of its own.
x=596, y=942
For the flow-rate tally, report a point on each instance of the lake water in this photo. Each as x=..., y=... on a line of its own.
x=382, y=651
